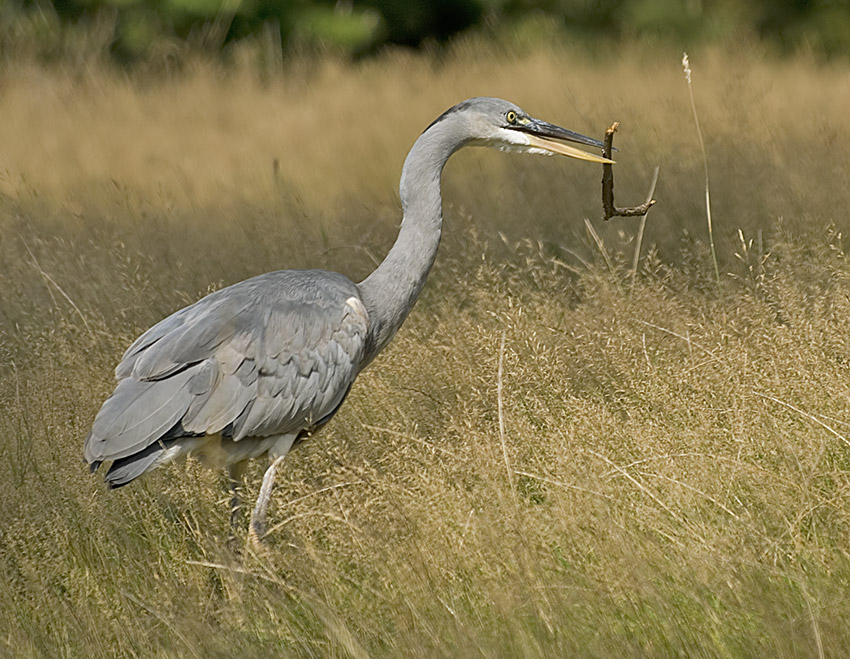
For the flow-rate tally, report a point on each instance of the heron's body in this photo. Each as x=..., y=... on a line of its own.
x=263, y=361
x=249, y=369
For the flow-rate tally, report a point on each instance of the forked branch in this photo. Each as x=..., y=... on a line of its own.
x=608, y=206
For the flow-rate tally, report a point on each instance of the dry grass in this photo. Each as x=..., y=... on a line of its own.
x=678, y=452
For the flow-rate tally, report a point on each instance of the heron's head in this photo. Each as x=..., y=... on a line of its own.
x=496, y=123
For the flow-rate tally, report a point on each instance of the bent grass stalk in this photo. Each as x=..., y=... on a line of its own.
x=641, y=229
x=508, y=469
x=686, y=65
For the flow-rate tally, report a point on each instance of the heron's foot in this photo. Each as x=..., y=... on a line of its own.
x=256, y=535
x=257, y=525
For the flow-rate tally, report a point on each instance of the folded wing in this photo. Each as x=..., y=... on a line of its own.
x=271, y=355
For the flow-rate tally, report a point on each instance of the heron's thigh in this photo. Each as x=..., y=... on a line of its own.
x=236, y=472
x=281, y=446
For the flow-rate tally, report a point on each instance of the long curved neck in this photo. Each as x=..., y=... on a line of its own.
x=391, y=290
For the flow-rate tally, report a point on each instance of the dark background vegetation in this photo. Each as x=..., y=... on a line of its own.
x=130, y=30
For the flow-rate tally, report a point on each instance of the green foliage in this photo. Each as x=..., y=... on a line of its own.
x=134, y=30
x=353, y=32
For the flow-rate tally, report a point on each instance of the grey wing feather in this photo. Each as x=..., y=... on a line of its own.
x=154, y=334
x=221, y=406
x=135, y=412
x=274, y=354
x=188, y=336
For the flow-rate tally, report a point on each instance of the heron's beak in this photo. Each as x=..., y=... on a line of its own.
x=550, y=137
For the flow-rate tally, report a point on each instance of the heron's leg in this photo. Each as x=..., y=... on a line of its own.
x=257, y=526
x=235, y=476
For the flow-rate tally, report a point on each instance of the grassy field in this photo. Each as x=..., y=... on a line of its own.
x=556, y=456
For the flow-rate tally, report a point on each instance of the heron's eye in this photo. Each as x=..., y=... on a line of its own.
x=511, y=117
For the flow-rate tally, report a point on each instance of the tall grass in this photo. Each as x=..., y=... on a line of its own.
x=545, y=462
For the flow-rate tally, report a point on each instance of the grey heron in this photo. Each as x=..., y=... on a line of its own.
x=252, y=368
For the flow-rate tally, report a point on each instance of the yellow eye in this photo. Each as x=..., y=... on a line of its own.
x=511, y=117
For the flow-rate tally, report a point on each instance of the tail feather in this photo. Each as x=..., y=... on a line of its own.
x=125, y=470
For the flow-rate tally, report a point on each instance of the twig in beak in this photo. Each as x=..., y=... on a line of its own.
x=610, y=210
